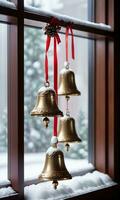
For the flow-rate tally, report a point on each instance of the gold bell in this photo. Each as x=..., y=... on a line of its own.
x=46, y=103
x=67, y=85
x=67, y=131
x=54, y=167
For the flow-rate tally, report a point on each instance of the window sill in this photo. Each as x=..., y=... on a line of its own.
x=78, y=186
x=12, y=197
x=6, y=191
x=108, y=193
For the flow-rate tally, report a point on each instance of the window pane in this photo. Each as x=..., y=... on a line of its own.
x=37, y=138
x=76, y=8
x=3, y=102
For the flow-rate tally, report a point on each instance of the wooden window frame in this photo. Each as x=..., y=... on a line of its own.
x=106, y=97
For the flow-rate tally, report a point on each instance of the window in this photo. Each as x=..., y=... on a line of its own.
x=3, y=103
x=102, y=94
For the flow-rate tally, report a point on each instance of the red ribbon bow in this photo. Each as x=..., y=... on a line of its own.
x=69, y=28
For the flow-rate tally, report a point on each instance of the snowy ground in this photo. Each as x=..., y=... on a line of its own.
x=34, y=164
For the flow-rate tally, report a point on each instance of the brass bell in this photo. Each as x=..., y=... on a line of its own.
x=67, y=85
x=67, y=131
x=46, y=103
x=54, y=167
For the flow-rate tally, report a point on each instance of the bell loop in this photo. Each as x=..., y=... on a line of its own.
x=66, y=64
x=47, y=84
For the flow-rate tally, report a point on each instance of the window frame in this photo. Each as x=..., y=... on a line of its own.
x=105, y=133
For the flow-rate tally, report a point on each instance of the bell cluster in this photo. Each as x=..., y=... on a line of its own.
x=46, y=106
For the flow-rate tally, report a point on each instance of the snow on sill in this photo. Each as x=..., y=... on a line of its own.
x=6, y=191
x=7, y=4
x=4, y=182
x=67, y=18
x=69, y=188
x=88, y=190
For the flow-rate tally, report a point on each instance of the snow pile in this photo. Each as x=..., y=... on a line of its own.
x=54, y=140
x=68, y=188
x=7, y=4
x=51, y=150
x=7, y=191
x=5, y=182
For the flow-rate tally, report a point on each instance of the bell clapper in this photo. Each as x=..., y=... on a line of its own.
x=67, y=146
x=46, y=121
x=55, y=184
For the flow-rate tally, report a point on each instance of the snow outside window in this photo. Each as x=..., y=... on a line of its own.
x=3, y=102
x=36, y=137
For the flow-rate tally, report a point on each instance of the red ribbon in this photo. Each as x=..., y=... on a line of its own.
x=69, y=28
x=56, y=41
x=46, y=57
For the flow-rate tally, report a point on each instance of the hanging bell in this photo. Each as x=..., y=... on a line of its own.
x=67, y=131
x=46, y=103
x=54, y=167
x=67, y=85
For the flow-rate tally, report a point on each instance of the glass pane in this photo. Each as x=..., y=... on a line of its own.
x=76, y=8
x=37, y=138
x=3, y=102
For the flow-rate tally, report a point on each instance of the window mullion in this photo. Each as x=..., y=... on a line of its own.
x=16, y=104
